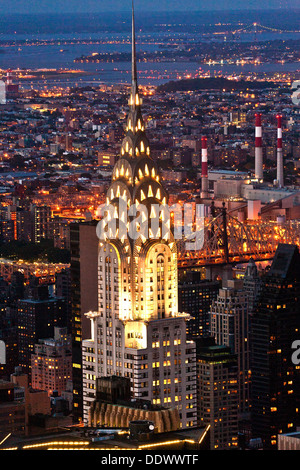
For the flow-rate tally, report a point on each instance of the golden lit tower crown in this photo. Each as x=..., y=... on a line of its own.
x=135, y=175
x=147, y=282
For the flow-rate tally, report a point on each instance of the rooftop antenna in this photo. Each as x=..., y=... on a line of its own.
x=133, y=65
x=135, y=119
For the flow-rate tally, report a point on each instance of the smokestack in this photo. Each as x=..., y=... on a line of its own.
x=280, y=178
x=9, y=77
x=204, y=177
x=258, y=148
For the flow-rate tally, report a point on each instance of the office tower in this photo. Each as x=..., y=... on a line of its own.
x=217, y=391
x=9, y=335
x=251, y=288
x=251, y=285
x=280, y=176
x=7, y=230
x=61, y=233
x=275, y=326
x=36, y=319
x=12, y=212
x=229, y=325
x=258, y=148
x=25, y=225
x=51, y=362
x=195, y=296
x=84, y=297
x=63, y=290
x=137, y=331
x=41, y=222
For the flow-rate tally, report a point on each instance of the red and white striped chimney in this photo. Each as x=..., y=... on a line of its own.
x=258, y=148
x=9, y=77
x=204, y=155
x=280, y=177
x=204, y=166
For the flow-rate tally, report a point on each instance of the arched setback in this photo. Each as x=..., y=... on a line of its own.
x=155, y=281
x=140, y=287
x=114, y=281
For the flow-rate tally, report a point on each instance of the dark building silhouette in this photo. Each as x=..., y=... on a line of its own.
x=252, y=282
x=36, y=318
x=195, y=297
x=275, y=326
x=63, y=290
x=9, y=335
x=84, y=298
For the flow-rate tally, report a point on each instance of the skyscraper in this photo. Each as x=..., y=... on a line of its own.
x=51, y=362
x=195, y=296
x=41, y=220
x=217, y=387
x=229, y=324
x=275, y=326
x=137, y=331
x=84, y=249
x=251, y=285
x=36, y=319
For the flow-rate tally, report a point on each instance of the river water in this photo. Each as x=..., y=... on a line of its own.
x=61, y=55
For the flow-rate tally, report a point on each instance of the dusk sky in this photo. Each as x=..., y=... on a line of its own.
x=88, y=6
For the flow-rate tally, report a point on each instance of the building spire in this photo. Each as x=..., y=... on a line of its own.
x=133, y=58
x=135, y=124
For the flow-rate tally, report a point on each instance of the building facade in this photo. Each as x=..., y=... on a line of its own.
x=217, y=390
x=84, y=297
x=36, y=320
x=229, y=324
x=195, y=296
x=275, y=326
x=51, y=363
x=137, y=331
x=251, y=285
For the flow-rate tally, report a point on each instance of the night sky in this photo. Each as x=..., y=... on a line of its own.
x=88, y=6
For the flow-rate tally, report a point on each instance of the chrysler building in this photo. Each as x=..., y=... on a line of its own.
x=137, y=331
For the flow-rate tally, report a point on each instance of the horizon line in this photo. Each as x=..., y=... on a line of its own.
x=290, y=9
